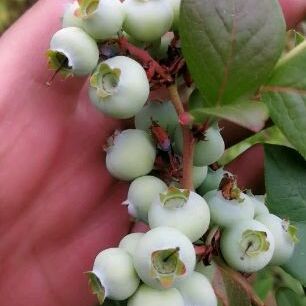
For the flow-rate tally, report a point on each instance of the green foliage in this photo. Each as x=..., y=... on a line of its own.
x=285, y=176
x=287, y=297
x=229, y=50
x=285, y=96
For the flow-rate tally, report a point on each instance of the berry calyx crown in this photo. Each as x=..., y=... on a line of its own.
x=254, y=242
x=166, y=266
x=96, y=286
x=174, y=197
x=105, y=80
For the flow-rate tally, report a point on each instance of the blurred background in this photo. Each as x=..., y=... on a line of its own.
x=10, y=10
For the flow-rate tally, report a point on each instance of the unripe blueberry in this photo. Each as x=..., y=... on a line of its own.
x=129, y=242
x=206, y=151
x=212, y=181
x=247, y=246
x=142, y=192
x=69, y=18
x=119, y=87
x=197, y=290
x=227, y=212
x=147, y=296
x=131, y=154
x=113, y=275
x=73, y=52
x=182, y=209
x=147, y=20
x=259, y=204
x=176, y=11
x=102, y=19
x=165, y=257
x=284, y=235
x=198, y=175
x=161, y=112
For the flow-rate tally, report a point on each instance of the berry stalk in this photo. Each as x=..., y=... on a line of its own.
x=188, y=140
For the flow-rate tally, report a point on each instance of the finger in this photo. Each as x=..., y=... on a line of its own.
x=294, y=11
x=22, y=55
x=249, y=168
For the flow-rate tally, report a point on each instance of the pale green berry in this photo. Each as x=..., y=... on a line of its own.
x=247, y=246
x=197, y=290
x=198, y=175
x=147, y=296
x=129, y=242
x=206, y=151
x=73, y=52
x=147, y=20
x=176, y=11
x=70, y=19
x=131, y=154
x=113, y=275
x=119, y=87
x=165, y=256
x=142, y=192
x=181, y=209
x=102, y=19
x=284, y=235
x=259, y=204
x=227, y=212
x=163, y=113
x=212, y=181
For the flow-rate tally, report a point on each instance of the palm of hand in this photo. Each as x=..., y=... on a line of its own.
x=58, y=205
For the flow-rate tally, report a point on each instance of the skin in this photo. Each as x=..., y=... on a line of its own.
x=58, y=205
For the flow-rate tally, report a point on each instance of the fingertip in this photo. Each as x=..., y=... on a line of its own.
x=249, y=168
x=294, y=11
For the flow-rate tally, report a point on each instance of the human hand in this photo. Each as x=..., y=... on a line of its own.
x=58, y=205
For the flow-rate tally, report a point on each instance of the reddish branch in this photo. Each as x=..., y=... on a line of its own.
x=188, y=148
x=240, y=281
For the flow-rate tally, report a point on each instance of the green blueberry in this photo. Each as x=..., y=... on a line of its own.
x=198, y=175
x=197, y=290
x=227, y=212
x=165, y=256
x=181, y=209
x=131, y=154
x=147, y=20
x=119, y=87
x=284, y=235
x=129, y=242
x=258, y=203
x=247, y=246
x=113, y=275
x=206, y=151
x=69, y=18
x=212, y=181
x=161, y=112
x=73, y=52
x=142, y=192
x=147, y=296
x=102, y=19
x=207, y=271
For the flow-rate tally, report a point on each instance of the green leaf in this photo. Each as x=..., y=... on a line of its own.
x=251, y=114
x=296, y=266
x=271, y=135
x=285, y=176
x=230, y=46
x=287, y=297
x=285, y=96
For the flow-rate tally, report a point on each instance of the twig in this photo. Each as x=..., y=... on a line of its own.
x=188, y=147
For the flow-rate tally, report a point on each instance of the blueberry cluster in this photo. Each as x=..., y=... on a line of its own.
x=158, y=268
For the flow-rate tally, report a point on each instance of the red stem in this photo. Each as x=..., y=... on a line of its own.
x=188, y=140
